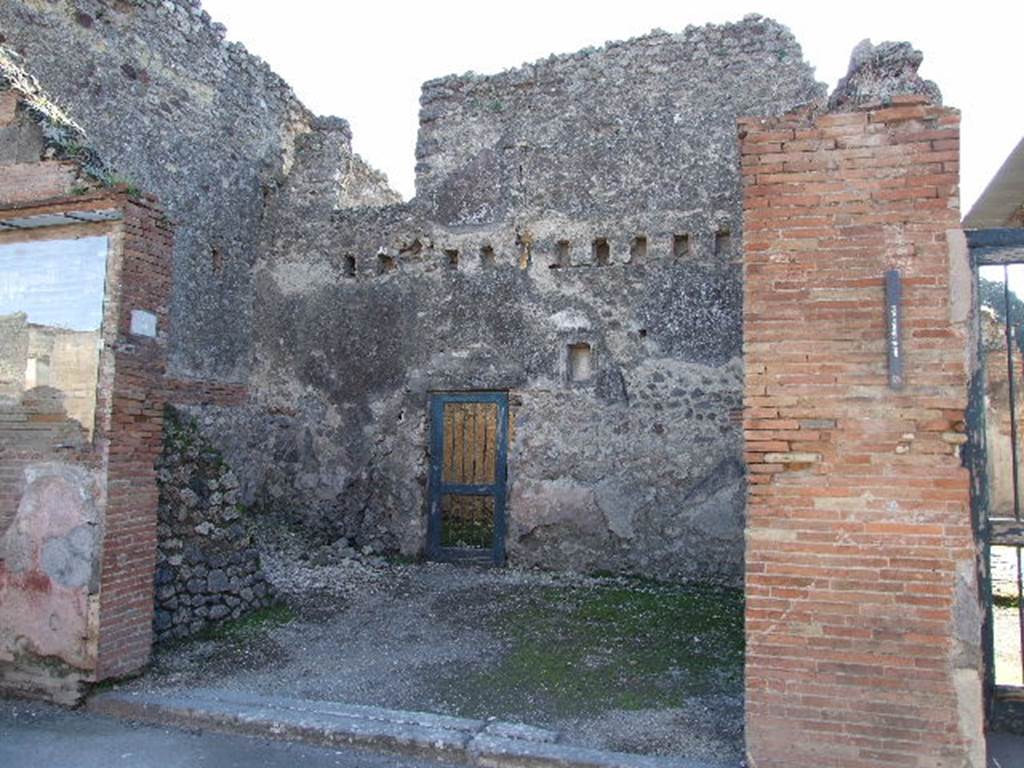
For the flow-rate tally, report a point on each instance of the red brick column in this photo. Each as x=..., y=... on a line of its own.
x=863, y=624
x=141, y=282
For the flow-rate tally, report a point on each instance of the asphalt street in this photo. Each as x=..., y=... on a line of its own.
x=40, y=736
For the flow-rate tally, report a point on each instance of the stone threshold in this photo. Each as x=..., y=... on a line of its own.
x=483, y=743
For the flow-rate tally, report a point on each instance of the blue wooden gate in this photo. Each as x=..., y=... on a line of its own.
x=468, y=474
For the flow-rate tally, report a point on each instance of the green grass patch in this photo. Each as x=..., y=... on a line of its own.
x=400, y=559
x=467, y=533
x=248, y=625
x=634, y=645
x=1006, y=601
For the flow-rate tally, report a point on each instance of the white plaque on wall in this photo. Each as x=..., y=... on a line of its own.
x=143, y=323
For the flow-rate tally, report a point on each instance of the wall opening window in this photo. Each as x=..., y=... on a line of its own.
x=723, y=242
x=386, y=263
x=562, y=254
x=51, y=314
x=681, y=246
x=638, y=248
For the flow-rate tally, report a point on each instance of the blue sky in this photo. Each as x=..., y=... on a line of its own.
x=56, y=282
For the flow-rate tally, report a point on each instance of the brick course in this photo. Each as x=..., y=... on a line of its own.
x=134, y=438
x=860, y=564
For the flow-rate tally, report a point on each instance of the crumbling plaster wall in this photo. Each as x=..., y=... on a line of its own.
x=210, y=129
x=280, y=236
x=639, y=468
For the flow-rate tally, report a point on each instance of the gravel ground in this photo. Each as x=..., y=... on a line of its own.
x=611, y=663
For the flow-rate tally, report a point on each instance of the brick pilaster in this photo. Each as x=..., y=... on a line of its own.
x=134, y=438
x=863, y=632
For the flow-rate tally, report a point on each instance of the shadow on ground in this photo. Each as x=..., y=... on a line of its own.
x=612, y=663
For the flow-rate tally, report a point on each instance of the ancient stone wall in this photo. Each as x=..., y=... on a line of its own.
x=586, y=199
x=863, y=618
x=201, y=123
x=208, y=569
x=642, y=126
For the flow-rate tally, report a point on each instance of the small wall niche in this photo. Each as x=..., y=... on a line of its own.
x=37, y=372
x=601, y=252
x=563, y=259
x=488, y=258
x=451, y=256
x=415, y=248
x=723, y=242
x=681, y=245
x=580, y=362
x=638, y=248
x=350, y=266
x=216, y=260
x=524, y=241
x=386, y=263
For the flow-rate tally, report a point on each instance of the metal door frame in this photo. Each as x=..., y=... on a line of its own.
x=992, y=247
x=439, y=488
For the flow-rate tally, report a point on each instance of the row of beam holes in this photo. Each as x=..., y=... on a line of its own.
x=601, y=250
x=388, y=263
x=601, y=253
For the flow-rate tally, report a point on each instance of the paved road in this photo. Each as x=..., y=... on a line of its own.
x=1005, y=751
x=39, y=736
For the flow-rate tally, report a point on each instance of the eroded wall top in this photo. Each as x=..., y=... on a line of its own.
x=180, y=112
x=644, y=124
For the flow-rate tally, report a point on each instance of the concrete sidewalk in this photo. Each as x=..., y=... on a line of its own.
x=489, y=744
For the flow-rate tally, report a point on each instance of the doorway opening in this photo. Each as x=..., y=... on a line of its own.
x=996, y=421
x=468, y=476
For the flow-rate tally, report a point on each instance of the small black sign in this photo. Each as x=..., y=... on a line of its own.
x=893, y=321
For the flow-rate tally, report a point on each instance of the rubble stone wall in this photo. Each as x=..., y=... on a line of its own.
x=208, y=568
x=487, y=277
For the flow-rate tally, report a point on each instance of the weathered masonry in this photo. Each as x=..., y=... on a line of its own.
x=83, y=385
x=559, y=251
x=574, y=243
x=604, y=328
